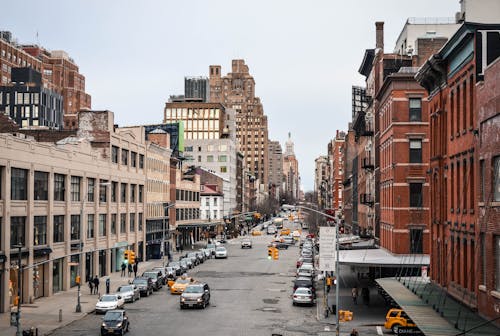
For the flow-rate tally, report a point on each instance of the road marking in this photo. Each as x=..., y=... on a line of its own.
x=379, y=331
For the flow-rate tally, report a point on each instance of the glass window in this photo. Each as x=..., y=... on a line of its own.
x=114, y=154
x=141, y=161
x=496, y=178
x=124, y=157
x=102, y=225
x=19, y=184
x=40, y=230
x=210, y=158
x=497, y=261
x=416, y=151
x=223, y=169
x=113, y=223
x=123, y=193
x=133, y=159
x=207, y=201
x=141, y=193
x=215, y=200
x=90, y=189
x=75, y=188
x=114, y=187
x=41, y=186
x=415, y=109
x=132, y=192
x=103, y=197
x=416, y=241
x=59, y=187
x=58, y=229
x=17, y=231
x=140, y=221
x=416, y=195
x=132, y=222
x=222, y=158
x=123, y=223
x=75, y=227
x=90, y=225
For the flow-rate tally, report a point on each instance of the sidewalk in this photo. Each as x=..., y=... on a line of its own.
x=44, y=312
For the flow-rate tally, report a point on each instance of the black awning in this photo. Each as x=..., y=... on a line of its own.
x=2, y=258
x=43, y=251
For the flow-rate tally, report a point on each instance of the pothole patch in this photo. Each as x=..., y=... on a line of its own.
x=270, y=301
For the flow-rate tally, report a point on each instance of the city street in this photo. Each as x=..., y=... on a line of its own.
x=250, y=295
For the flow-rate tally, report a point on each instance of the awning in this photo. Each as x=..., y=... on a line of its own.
x=381, y=258
x=40, y=252
x=432, y=314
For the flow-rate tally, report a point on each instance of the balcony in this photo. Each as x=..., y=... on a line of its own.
x=368, y=129
x=367, y=163
x=366, y=199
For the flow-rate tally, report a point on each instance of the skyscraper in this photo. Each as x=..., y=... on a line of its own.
x=237, y=90
x=196, y=87
x=291, y=170
x=275, y=169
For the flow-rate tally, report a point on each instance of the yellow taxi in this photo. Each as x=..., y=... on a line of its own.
x=397, y=318
x=180, y=285
x=285, y=232
x=256, y=233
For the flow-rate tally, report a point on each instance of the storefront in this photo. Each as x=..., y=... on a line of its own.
x=117, y=256
x=102, y=263
x=89, y=266
x=57, y=275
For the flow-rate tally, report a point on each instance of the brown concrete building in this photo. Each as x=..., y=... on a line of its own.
x=236, y=90
x=459, y=237
x=291, y=173
x=336, y=174
x=275, y=169
x=350, y=202
x=321, y=181
x=86, y=190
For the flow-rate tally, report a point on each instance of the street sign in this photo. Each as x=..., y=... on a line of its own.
x=327, y=252
x=410, y=331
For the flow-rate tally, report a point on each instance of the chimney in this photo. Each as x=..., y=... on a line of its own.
x=159, y=137
x=379, y=35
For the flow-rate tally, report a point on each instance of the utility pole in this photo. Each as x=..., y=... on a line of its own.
x=337, y=284
x=19, y=282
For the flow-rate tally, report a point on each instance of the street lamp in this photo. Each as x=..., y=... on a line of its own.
x=162, y=250
x=19, y=275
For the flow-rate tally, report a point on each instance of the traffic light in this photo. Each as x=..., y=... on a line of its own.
x=276, y=254
x=126, y=255
x=270, y=251
x=131, y=257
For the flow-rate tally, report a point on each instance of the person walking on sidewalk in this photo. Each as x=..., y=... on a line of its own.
x=96, y=285
x=135, y=270
x=91, y=285
x=354, y=293
x=123, y=269
x=129, y=270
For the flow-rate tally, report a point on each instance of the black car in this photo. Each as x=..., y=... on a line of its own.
x=115, y=322
x=177, y=266
x=157, y=278
x=279, y=245
x=304, y=282
x=145, y=285
x=195, y=295
x=194, y=258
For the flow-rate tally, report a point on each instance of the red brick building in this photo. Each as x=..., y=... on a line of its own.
x=336, y=165
x=459, y=238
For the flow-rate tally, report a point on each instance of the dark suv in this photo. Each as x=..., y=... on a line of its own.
x=145, y=285
x=157, y=278
x=195, y=295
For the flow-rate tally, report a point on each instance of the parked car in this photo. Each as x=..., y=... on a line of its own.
x=285, y=232
x=279, y=245
x=194, y=258
x=201, y=256
x=195, y=295
x=397, y=318
x=185, y=265
x=156, y=277
x=207, y=252
x=304, y=260
x=303, y=295
x=109, y=302
x=256, y=233
x=115, y=322
x=220, y=252
x=306, y=270
x=246, y=243
x=171, y=272
x=163, y=271
x=176, y=265
x=288, y=240
x=304, y=282
x=271, y=229
x=211, y=247
x=130, y=293
x=145, y=285
x=180, y=285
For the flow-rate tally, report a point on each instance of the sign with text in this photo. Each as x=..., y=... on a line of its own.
x=327, y=252
x=410, y=331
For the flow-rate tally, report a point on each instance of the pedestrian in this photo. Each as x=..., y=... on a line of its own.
x=328, y=283
x=354, y=332
x=354, y=293
x=108, y=284
x=135, y=270
x=96, y=285
x=123, y=269
x=129, y=270
x=91, y=285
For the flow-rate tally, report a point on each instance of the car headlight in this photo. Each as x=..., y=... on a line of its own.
x=199, y=300
x=183, y=299
x=119, y=325
x=103, y=325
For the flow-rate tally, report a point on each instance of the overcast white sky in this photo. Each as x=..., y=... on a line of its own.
x=304, y=55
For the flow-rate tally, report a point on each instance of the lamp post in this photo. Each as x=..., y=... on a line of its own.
x=165, y=208
x=19, y=275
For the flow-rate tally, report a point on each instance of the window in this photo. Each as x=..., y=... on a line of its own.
x=113, y=223
x=114, y=187
x=132, y=192
x=90, y=226
x=123, y=223
x=415, y=151
x=215, y=200
x=223, y=169
x=103, y=197
x=207, y=214
x=75, y=227
x=58, y=229
x=17, y=231
x=133, y=159
x=141, y=161
x=496, y=178
x=19, y=184
x=75, y=188
x=481, y=180
x=415, y=109
x=140, y=221
x=114, y=154
x=497, y=261
x=90, y=189
x=222, y=158
x=59, y=187
x=207, y=201
x=123, y=193
x=141, y=193
x=40, y=230
x=210, y=158
x=416, y=243
x=41, y=186
x=124, y=157
x=416, y=195
x=102, y=225
x=132, y=222
x=215, y=214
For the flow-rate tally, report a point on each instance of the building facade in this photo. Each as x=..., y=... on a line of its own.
x=197, y=88
x=236, y=90
x=336, y=173
x=275, y=169
x=321, y=181
x=291, y=174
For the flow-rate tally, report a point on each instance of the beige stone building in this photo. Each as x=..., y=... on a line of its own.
x=80, y=200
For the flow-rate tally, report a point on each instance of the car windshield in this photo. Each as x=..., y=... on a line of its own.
x=113, y=316
x=125, y=289
x=221, y=249
x=140, y=281
x=302, y=291
x=192, y=255
x=153, y=275
x=108, y=298
x=182, y=281
x=174, y=264
x=210, y=245
x=194, y=289
x=170, y=269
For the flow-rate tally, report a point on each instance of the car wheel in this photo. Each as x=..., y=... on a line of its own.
x=293, y=303
x=182, y=307
x=395, y=328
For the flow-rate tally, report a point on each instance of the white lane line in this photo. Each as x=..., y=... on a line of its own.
x=379, y=331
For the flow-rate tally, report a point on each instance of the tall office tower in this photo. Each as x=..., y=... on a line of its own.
x=291, y=170
x=237, y=90
x=275, y=169
x=196, y=88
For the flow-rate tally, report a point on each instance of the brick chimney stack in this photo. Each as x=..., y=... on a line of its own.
x=379, y=35
x=160, y=138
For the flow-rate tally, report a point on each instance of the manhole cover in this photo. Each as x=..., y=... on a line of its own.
x=270, y=301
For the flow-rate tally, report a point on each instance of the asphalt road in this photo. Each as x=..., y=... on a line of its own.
x=250, y=295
